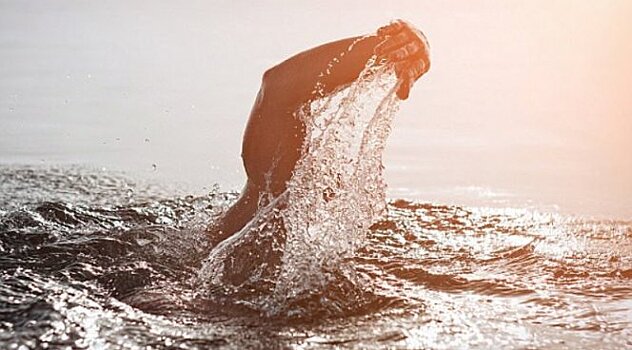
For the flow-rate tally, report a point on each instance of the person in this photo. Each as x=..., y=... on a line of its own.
x=274, y=136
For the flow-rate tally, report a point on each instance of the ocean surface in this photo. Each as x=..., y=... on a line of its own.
x=93, y=259
x=502, y=218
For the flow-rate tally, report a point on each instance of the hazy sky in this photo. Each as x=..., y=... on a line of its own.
x=526, y=100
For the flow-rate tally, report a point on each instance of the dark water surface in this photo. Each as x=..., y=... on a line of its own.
x=91, y=259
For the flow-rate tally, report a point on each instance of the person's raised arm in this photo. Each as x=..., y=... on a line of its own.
x=273, y=138
x=330, y=65
x=339, y=63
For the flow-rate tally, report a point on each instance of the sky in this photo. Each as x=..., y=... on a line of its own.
x=528, y=103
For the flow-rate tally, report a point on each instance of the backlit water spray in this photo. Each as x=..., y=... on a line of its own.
x=298, y=242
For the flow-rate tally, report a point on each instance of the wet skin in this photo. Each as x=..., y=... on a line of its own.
x=274, y=137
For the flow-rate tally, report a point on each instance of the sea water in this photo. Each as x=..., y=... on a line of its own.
x=92, y=259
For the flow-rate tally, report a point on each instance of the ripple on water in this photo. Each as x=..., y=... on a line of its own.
x=82, y=273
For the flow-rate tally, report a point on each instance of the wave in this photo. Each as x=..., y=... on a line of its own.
x=90, y=272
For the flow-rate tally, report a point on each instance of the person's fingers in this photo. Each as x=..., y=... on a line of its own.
x=400, y=69
x=411, y=69
x=418, y=68
x=407, y=73
x=423, y=51
x=425, y=64
x=392, y=43
x=404, y=89
x=403, y=75
x=419, y=62
x=405, y=46
x=392, y=28
x=407, y=51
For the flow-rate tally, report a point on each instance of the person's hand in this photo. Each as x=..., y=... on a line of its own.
x=406, y=48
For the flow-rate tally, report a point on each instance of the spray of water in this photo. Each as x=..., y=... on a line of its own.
x=297, y=240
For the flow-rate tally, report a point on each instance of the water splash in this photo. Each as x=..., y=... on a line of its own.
x=337, y=190
x=298, y=241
